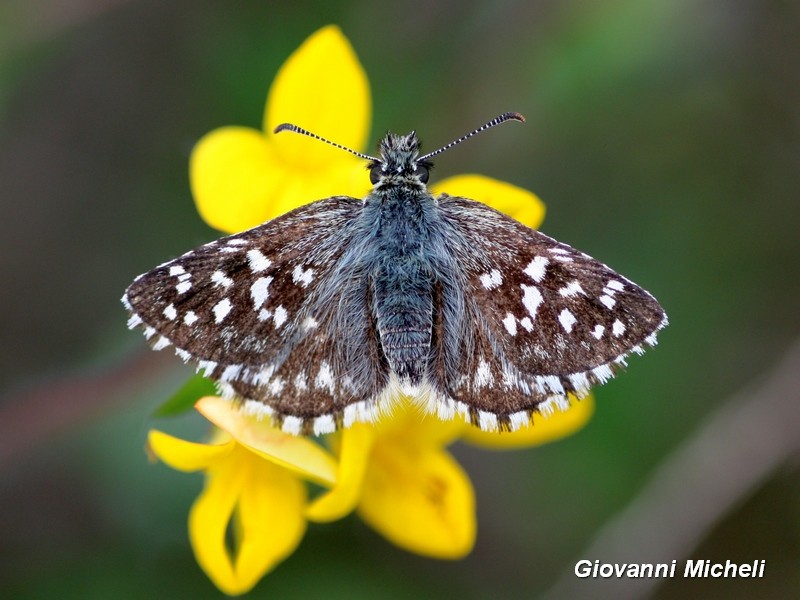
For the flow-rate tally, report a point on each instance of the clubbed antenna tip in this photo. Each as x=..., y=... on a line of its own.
x=508, y=116
x=285, y=126
x=296, y=129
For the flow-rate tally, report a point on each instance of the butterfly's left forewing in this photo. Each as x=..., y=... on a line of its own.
x=548, y=319
x=257, y=311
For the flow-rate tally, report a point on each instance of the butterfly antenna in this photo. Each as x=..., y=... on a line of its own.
x=296, y=129
x=509, y=116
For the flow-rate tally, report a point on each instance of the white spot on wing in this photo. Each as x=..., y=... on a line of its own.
x=263, y=376
x=324, y=424
x=134, y=321
x=573, y=288
x=598, y=331
x=256, y=409
x=487, y=421
x=491, y=280
x=221, y=309
x=219, y=278
x=603, y=373
x=170, y=312
x=510, y=323
x=183, y=286
x=615, y=285
x=176, y=270
x=276, y=386
x=526, y=324
x=259, y=291
x=518, y=420
x=607, y=301
x=546, y=408
x=324, y=378
x=258, y=262
x=231, y=372
x=207, y=366
x=190, y=317
x=292, y=425
x=302, y=277
x=580, y=383
x=349, y=416
x=161, y=343
x=300, y=381
x=549, y=383
x=618, y=328
x=483, y=375
x=567, y=320
x=561, y=403
x=531, y=299
x=536, y=268
x=280, y=316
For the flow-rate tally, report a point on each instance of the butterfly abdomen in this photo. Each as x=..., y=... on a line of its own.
x=402, y=284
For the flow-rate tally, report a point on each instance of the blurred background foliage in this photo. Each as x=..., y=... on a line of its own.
x=664, y=136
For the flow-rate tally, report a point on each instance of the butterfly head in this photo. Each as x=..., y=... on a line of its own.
x=399, y=162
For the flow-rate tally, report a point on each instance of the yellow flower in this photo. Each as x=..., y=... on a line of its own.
x=241, y=177
x=404, y=484
x=253, y=483
x=397, y=474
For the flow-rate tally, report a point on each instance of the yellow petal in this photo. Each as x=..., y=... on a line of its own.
x=186, y=456
x=543, y=430
x=210, y=515
x=322, y=87
x=356, y=447
x=270, y=519
x=269, y=501
x=421, y=501
x=516, y=202
x=235, y=178
x=296, y=453
x=344, y=178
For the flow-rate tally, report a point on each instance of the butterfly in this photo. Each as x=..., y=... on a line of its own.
x=328, y=314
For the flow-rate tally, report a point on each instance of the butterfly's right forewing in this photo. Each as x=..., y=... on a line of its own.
x=545, y=319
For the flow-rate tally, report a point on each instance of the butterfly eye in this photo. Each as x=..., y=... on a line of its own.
x=422, y=173
x=375, y=174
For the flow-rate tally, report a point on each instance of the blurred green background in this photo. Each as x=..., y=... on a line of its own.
x=664, y=137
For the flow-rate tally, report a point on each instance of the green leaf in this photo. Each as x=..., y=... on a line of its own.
x=184, y=399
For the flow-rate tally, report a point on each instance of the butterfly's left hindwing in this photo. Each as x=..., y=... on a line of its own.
x=254, y=312
x=548, y=319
